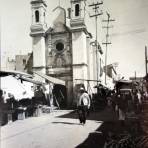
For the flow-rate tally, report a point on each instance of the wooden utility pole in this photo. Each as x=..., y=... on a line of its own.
x=146, y=61
x=95, y=7
x=59, y=2
x=135, y=75
x=107, y=27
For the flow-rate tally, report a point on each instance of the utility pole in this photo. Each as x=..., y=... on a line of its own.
x=146, y=61
x=135, y=75
x=95, y=7
x=59, y=3
x=107, y=27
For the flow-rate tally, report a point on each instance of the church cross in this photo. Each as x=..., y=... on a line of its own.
x=59, y=2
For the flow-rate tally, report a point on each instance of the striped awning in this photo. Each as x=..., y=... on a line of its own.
x=50, y=79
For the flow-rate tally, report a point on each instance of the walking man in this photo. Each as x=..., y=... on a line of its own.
x=122, y=107
x=83, y=105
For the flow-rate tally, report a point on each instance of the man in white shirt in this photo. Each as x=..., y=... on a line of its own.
x=83, y=105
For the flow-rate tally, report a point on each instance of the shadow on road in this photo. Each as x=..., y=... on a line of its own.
x=103, y=115
x=98, y=137
x=111, y=126
x=65, y=123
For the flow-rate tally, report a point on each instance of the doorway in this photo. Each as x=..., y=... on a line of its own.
x=60, y=96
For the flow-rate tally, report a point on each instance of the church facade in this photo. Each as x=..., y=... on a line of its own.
x=64, y=51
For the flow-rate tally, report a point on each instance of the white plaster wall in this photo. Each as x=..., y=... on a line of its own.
x=91, y=62
x=79, y=50
x=39, y=51
x=42, y=17
x=88, y=56
x=92, y=70
x=80, y=72
x=94, y=63
x=79, y=53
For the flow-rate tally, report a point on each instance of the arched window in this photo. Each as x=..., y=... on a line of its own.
x=37, y=16
x=77, y=10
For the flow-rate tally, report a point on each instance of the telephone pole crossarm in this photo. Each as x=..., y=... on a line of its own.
x=96, y=4
x=109, y=20
x=95, y=7
x=107, y=43
x=95, y=15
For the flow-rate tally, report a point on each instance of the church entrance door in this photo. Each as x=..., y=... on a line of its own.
x=60, y=96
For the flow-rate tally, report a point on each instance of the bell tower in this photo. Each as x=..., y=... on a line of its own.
x=78, y=13
x=80, y=42
x=38, y=25
x=38, y=28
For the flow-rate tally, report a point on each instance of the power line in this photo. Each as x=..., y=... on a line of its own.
x=107, y=27
x=88, y=12
x=95, y=7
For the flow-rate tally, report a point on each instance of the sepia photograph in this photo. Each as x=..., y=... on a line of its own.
x=73, y=74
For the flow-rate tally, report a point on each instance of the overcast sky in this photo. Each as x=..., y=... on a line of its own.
x=129, y=35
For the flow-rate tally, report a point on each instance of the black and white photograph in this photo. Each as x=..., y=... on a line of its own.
x=73, y=74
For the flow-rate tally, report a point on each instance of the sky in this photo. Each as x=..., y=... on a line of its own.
x=129, y=34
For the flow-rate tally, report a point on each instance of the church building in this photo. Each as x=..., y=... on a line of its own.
x=63, y=51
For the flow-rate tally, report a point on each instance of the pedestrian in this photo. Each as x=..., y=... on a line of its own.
x=113, y=96
x=83, y=105
x=139, y=101
x=1, y=105
x=136, y=101
x=110, y=101
x=47, y=92
x=122, y=106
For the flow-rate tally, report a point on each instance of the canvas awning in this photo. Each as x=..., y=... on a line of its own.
x=51, y=79
x=4, y=73
x=20, y=75
x=31, y=80
x=10, y=84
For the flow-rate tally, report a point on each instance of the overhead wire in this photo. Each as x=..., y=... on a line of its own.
x=98, y=17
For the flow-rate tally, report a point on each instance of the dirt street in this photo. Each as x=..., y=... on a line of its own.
x=46, y=131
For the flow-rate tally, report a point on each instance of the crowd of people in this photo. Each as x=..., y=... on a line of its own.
x=126, y=103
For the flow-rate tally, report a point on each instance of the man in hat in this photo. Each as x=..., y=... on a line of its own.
x=83, y=105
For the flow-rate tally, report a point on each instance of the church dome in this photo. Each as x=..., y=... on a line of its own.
x=59, y=16
x=38, y=1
